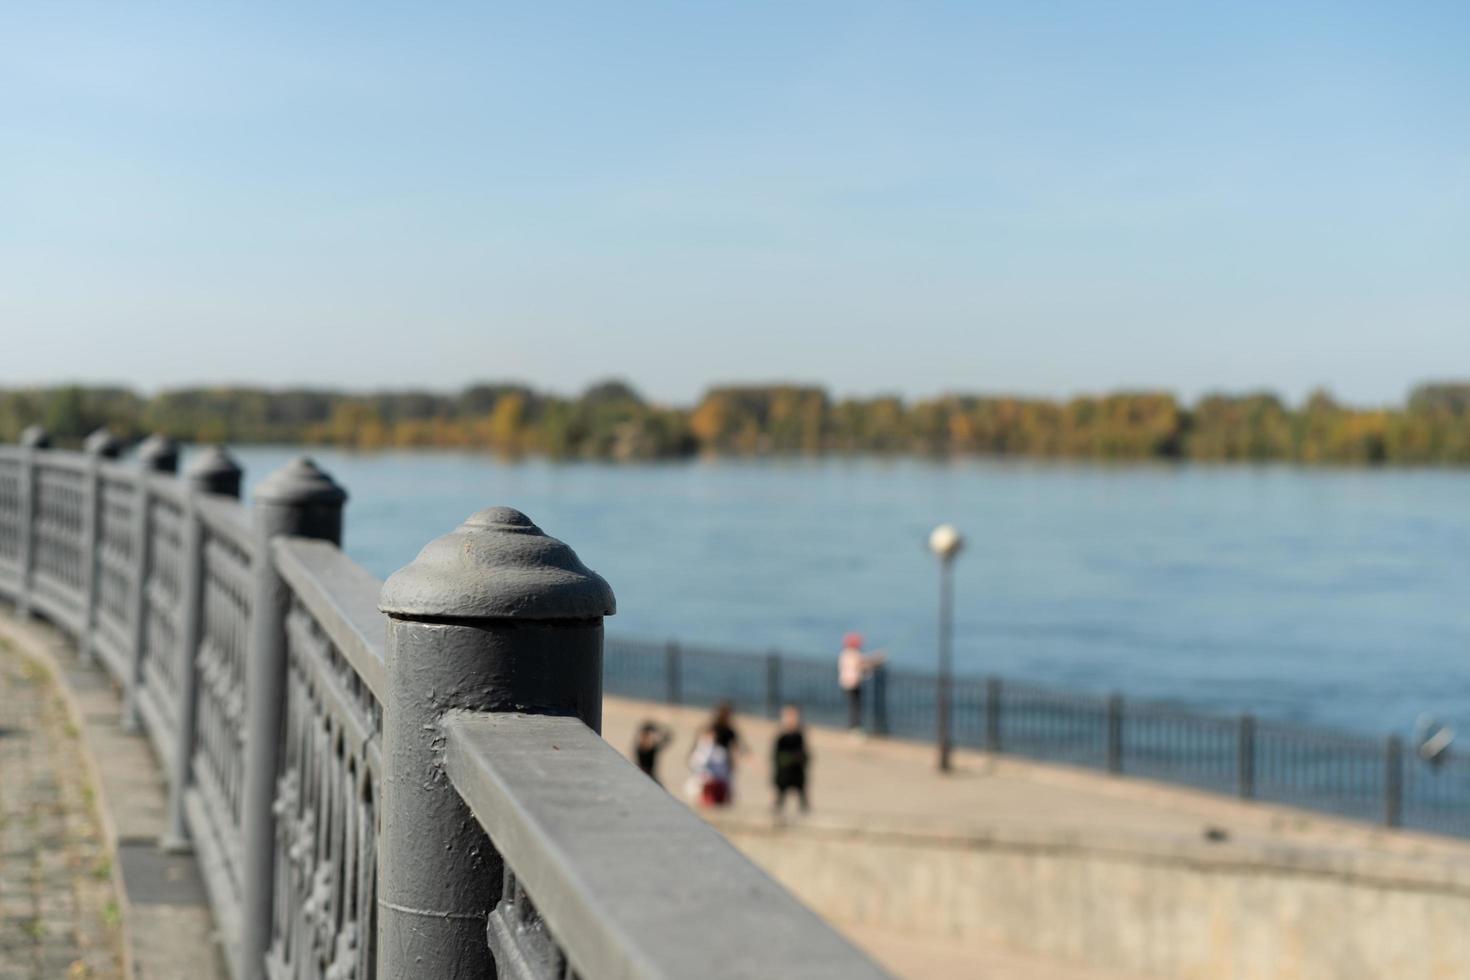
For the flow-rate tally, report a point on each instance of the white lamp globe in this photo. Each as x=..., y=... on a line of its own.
x=946, y=541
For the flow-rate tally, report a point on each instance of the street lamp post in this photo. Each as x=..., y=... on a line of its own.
x=945, y=541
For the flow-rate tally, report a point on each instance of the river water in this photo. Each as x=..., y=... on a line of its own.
x=1318, y=595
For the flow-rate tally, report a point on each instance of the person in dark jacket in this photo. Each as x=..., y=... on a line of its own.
x=789, y=759
x=652, y=739
x=722, y=724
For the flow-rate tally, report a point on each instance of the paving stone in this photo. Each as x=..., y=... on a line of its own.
x=165, y=918
x=52, y=917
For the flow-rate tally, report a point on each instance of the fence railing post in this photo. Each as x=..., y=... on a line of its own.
x=98, y=446
x=992, y=714
x=880, y=700
x=209, y=473
x=153, y=457
x=1115, y=733
x=159, y=454
x=138, y=574
x=1393, y=781
x=33, y=440
x=1245, y=756
x=773, y=684
x=472, y=625
x=214, y=471
x=673, y=675
x=191, y=598
x=298, y=500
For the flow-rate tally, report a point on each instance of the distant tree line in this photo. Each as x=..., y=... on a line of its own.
x=612, y=421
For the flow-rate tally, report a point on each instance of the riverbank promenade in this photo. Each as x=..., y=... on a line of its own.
x=1002, y=868
x=1012, y=868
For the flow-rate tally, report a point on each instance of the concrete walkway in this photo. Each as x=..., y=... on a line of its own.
x=876, y=785
x=157, y=925
x=59, y=914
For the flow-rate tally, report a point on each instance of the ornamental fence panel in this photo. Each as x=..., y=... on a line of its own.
x=370, y=775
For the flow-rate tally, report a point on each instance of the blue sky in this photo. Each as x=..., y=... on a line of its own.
x=1026, y=197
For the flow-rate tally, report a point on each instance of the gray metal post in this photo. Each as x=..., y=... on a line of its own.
x=495, y=616
x=33, y=440
x=1115, y=733
x=191, y=615
x=992, y=714
x=100, y=445
x=35, y=437
x=1245, y=761
x=214, y=470
x=1393, y=781
x=298, y=500
x=159, y=454
x=673, y=681
x=155, y=455
x=942, y=696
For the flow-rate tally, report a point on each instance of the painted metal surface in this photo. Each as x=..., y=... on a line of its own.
x=343, y=598
x=303, y=711
x=630, y=890
x=324, y=862
x=213, y=470
x=497, y=565
x=158, y=453
x=297, y=500
x=495, y=616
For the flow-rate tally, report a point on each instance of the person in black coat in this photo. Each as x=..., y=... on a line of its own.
x=789, y=759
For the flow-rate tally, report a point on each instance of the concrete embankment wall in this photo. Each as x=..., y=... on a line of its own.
x=1169, y=909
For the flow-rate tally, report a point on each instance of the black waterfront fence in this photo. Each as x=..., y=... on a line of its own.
x=1347, y=774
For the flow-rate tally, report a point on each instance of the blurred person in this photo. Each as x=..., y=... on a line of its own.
x=722, y=724
x=710, y=771
x=652, y=739
x=853, y=669
x=789, y=759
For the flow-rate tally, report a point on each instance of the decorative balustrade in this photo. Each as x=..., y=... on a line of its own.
x=400, y=780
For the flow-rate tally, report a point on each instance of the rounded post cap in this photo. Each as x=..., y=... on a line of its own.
x=35, y=437
x=497, y=565
x=157, y=447
x=212, y=461
x=299, y=482
x=102, y=443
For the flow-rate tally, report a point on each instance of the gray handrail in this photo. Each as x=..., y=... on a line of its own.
x=644, y=889
x=343, y=597
x=303, y=710
x=63, y=460
x=227, y=518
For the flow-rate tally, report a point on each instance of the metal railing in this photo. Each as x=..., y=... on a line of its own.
x=383, y=780
x=1341, y=773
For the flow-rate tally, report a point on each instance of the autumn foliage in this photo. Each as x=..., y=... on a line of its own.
x=612, y=421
